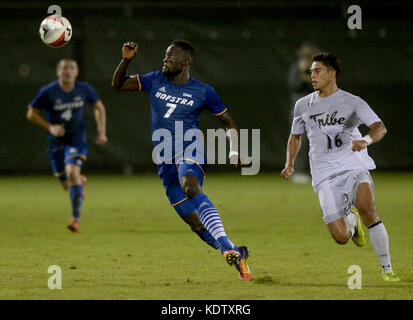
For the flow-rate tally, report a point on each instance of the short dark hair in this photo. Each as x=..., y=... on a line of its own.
x=186, y=45
x=330, y=60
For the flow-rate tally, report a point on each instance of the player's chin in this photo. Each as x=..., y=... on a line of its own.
x=168, y=73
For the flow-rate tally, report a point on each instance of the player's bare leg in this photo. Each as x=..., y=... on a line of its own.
x=73, y=174
x=193, y=221
x=65, y=185
x=339, y=231
x=349, y=227
x=365, y=204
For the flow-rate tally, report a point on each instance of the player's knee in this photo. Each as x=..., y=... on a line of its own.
x=65, y=185
x=72, y=174
x=340, y=238
x=191, y=187
x=191, y=191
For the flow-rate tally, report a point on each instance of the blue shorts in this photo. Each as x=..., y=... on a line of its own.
x=61, y=156
x=170, y=175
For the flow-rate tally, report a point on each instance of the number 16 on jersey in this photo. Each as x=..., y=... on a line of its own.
x=337, y=142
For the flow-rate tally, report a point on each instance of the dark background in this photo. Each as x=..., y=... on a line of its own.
x=244, y=50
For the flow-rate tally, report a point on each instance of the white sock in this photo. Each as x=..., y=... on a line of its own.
x=351, y=222
x=380, y=241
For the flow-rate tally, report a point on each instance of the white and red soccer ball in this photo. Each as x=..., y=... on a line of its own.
x=55, y=31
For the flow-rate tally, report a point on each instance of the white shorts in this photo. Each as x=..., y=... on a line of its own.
x=338, y=193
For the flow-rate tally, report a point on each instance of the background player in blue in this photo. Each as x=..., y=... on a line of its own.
x=63, y=101
x=175, y=97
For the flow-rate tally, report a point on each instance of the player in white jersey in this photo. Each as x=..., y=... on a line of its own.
x=339, y=160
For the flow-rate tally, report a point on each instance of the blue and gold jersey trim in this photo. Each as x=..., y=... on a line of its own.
x=173, y=205
x=59, y=174
x=81, y=156
x=139, y=83
x=187, y=159
x=218, y=114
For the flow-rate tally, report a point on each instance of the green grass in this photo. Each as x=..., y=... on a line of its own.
x=132, y=245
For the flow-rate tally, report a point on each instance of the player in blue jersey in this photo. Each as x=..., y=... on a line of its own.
x=176, y=101
x=63, y=101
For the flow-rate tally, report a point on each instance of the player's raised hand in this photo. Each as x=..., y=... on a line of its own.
x=101, y=139
x=358, y=145
x=129, y=50
x=57, y=130
x=239, y=160
x=287, y=172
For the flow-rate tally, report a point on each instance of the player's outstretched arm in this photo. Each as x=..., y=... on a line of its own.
x=120, y=80
x=293, y=147
x=232, y=134
x=100, y=117
x=55, y=129
x=376, y=133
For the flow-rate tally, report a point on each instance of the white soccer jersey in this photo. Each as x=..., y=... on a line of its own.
x=331, y=124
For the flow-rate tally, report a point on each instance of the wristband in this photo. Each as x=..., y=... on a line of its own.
x=368, y=139
x=233, y=153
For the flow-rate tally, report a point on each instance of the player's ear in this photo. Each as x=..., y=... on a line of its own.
x=332, y=72
x=187, y=62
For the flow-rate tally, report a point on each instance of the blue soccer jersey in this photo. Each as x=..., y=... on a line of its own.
x=177, y=108
x=66, y=108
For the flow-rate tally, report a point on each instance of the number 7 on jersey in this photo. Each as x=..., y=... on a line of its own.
x=171, y=109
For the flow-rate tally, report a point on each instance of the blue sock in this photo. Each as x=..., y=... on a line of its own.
x=209, y=239
x=76, y=198
x=211, y=220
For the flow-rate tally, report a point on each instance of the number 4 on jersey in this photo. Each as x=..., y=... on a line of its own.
x=67, y=115
x=171, y=109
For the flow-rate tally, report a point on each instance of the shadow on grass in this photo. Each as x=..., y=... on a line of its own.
x=269, y=280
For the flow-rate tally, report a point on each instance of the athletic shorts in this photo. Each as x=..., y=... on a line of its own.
x=170, y=175
x=63, y=155
x=338, y=193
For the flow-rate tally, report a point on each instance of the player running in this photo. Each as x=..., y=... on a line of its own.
x=339, y=160
x=63, y=102
x=176, y=101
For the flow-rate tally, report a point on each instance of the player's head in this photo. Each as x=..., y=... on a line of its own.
x=67, y=70
x=325, y=70
x=178, y=56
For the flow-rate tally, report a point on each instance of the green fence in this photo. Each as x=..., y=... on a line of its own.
x=245, y=53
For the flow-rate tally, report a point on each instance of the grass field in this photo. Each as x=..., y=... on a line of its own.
x=132, y=245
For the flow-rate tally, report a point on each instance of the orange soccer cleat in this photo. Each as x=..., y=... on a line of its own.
x=74, y=225
x=239, y=260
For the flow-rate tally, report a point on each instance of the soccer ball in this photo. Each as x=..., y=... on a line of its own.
x=55, y=31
